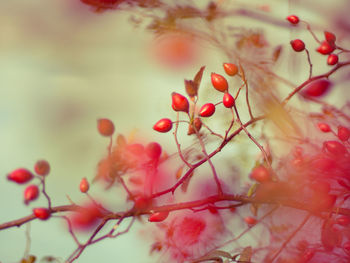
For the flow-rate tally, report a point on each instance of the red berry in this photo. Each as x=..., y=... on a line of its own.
x=332, y=59
x=324, y=127
x=153, y=150
x=158, y=216
x=260, y=174
x=325, y=48
x=42, y=213
x=250, y=220
x=219, y=82
x=142, y=202
x=230, y=69
x=317, y=88
x=20, y=176
x=207, y=110
x=31, y=193
x=228, y=100
x=343, y=133
x=298, y=45
x=335, y=147
x=307, y=255
x=84, y=185
x=42, y=167
x=163, y=125
x=213, y=210
x=293, y=19
x=86, y=216
x=197, y=123
x=105, y=127
x=330, y=37
x=179, y=102
x=343, y=220
x=346, y=247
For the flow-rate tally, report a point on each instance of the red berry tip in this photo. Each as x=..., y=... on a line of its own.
x=163, y=125
x=297, y=45
x=293, y=19
x=230, y=69
x=219, y=82
x=207, y=110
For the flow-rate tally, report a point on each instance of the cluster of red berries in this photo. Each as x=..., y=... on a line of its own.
x=181, y=104
x=31, y=192
x=326, y=47
x=335, y=147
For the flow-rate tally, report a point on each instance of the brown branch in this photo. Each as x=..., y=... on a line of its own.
x=23, y=220
x=326, y=75
x=309, y=61
x=253, y=139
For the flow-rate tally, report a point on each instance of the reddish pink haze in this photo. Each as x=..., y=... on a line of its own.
x=175, y=50
x=188, y=235
x=86, y=217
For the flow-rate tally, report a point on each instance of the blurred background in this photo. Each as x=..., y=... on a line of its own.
x=63, y=66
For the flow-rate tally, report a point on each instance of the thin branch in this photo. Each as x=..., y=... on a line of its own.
x=285, y=243
x=177, y=142
x=309, y=61
x=305, y=83
x=253, y=139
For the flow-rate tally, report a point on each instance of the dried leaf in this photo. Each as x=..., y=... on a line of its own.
x=191, y=88
x=254, y=209
x=276, y=53
x=198, y=78
x=179, y=172
x=220, y=253
x=246, y=255
x=185, y=184
x=216, y=255
x=156, y=247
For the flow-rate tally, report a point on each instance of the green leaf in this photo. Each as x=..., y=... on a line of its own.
x=252, y=190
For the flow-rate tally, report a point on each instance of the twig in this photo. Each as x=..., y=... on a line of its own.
x=285, y=243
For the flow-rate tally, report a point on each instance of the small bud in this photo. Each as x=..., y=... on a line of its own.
x=293, y=19
x=260, y=174
x=250, y=220
x=84, y=185
x=323, y=127
x=31, y=193
x=297, y=45
x=158, y=216
x=332, y=59
x=230, y=69
x=42, y=213
x=42, y=167
x=105, y=127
